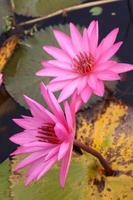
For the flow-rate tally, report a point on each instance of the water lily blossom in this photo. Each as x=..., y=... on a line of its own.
x=47, y=137
x=0, y=79
x=82, y=64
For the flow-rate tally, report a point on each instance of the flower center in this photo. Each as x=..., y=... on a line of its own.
x=84, y=63
x=47, y=134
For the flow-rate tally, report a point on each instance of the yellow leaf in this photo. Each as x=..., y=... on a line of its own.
x=109, y=129
x=7, y=50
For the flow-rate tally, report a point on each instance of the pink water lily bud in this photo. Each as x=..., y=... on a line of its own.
x=47, y=137
x=1, y=79
x=82, y=64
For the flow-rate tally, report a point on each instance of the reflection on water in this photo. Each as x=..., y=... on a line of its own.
x=113, y=15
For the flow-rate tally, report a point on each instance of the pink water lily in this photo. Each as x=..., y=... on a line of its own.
x=0, y=79
x=47, y=136
x=82, y=64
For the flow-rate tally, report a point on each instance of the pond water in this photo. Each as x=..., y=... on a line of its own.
x=113, y=15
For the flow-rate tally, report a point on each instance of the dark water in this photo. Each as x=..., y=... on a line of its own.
x=118, y=14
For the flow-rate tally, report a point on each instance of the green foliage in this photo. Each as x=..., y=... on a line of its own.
x=8, y=23
x=48, y=187
x=5, y=12
x=95, y=11
x=42, y=7
x=20, y=71
x=4, y=180
x=108, y=127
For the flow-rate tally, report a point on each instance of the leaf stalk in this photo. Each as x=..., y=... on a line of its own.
x=107, y=169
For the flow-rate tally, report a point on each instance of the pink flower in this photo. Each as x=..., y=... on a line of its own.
x=81, y=64
x=0, y=79
x=47, y=136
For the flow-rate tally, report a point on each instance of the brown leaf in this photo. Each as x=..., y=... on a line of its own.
x=108, y=128
x=7, y=50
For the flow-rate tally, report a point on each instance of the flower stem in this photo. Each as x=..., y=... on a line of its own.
x=108, y=170
x=66, y=10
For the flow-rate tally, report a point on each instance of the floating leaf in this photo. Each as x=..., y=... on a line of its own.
x=20, y=71
x=48, y=187
x=109, y=129
x=4, y=12
x=4, y=180
x=42, y=7
x=95, y=11
x=7, y=50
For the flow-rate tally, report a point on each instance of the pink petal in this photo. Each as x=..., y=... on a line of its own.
x=1, y=79
x=24, y=137
x=31, y=123
x=52, y=153
x=86, y=94
x=76, y=38
x=91, y=27
x=75, y=103
x=85, y=41
x=68, y=90
x=69, y=118
x=65, y=77
x=109, y=52
x=64, y=42
x=59, y=64
x=57, y=72
x=96, y=85
x=108, y=75
x=104, y=66
x=65, y=166
x=63, y=149
x=57, y=53
x=35, y=170
x=40, y=144
x=33, y=147
x=61, y=131
x=48, y=165
x=100, y=88
x=52, y=102
x=84, y=80
x=107, y=42
x=121, y=67
x=94, y=38
x=21, y=150
x=55, y=86
x=39, y=111
x=30, y=159
x=49, y=72
x=92, y=81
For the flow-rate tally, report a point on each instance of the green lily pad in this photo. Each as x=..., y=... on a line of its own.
x=4, y=180
x=42, y=7
x=95, y=11
x=48, y=187
x=108, y=128
x=19, y=74
x=5, y=11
